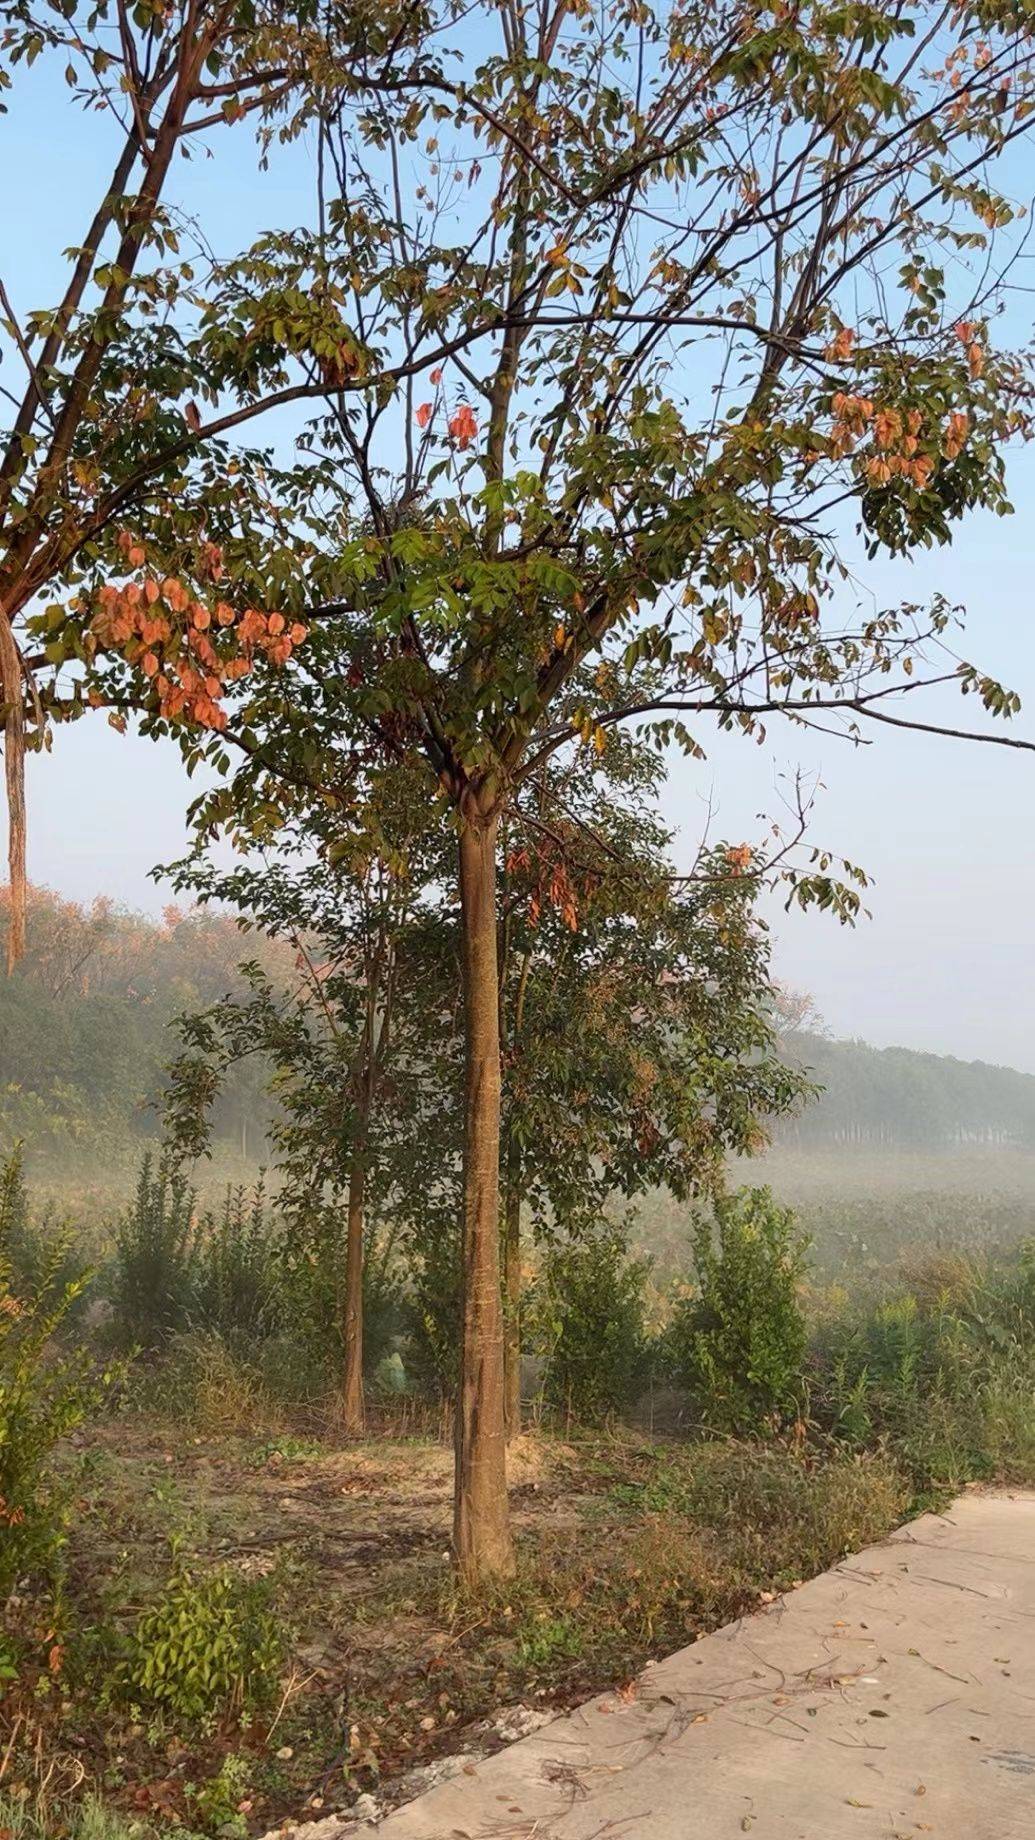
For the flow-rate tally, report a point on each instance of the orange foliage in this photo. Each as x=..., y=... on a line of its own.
x=463, y=426
x=159, y=626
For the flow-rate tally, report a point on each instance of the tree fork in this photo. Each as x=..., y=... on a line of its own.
x=481, y=1520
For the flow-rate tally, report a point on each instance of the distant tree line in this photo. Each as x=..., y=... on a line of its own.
x=900, y=1097
x=86, y=1043
x=84, y=1025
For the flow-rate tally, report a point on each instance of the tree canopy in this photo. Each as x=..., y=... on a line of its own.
x=630, y=332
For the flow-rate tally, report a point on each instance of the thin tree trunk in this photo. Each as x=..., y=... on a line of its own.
x=14, y=773
x=481, y=1520
x=352, y=1402
x=512, y=1296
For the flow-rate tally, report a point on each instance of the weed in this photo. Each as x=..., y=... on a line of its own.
x=155, y=1255
x=777, y=1513
x=216, y=1805
x=943, y=1373
x=236, y=1295
x=210, y=1648
x=22, y=1819
x=43, y=1396
x=286, y=1449
x=542, y=1640
x=201, y=1382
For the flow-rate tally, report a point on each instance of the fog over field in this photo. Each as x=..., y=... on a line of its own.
x=896, y=1150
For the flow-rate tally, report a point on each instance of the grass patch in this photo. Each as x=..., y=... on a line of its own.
x=20, y=1819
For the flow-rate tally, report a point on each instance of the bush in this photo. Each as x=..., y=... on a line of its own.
x=590, y=1306
x=779, y=1513
x=738, y=1344
x=942, y=1372
x=155, y=1258
x=235, y=1271
x=241, y=1293
x=35, y=1248
x=210, y=1648
x=44, y=1394
x=384, y=1306
x=203, y=1382
x=19, y=1250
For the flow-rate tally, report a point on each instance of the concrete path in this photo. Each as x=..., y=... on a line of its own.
x=891, y=1697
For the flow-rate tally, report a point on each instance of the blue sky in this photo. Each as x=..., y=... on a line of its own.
x=944, y=828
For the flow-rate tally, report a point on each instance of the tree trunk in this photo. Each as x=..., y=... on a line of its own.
x=512, y=1296
x=481, y=1520
x=352, y=1402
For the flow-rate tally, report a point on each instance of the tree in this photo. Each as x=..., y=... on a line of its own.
x=106, y=413
x=351, y=1044
x=638, y=1047
x=704, y=302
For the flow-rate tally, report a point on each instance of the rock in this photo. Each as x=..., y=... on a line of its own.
x=365, y=1809
x=363, y=1815
x=428, y=1775
x=519, y=1722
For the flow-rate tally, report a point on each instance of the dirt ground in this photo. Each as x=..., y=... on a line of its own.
x=628, y=1549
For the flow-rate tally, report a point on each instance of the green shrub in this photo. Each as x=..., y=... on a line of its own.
x=303, y=1351
x=204, y=1382
x=942, y=1372
x=210, y=1648
x=34, y=1247
x=15, y=1230
x=738, y=1344
x=589, y=1304
x=383, y=1302
x=236, y=1270
x=155, y=1258
x=44, y=1394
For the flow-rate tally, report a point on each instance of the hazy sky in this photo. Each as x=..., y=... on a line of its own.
x=945, y=828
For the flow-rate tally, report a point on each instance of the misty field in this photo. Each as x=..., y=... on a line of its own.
x=864, y=1206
